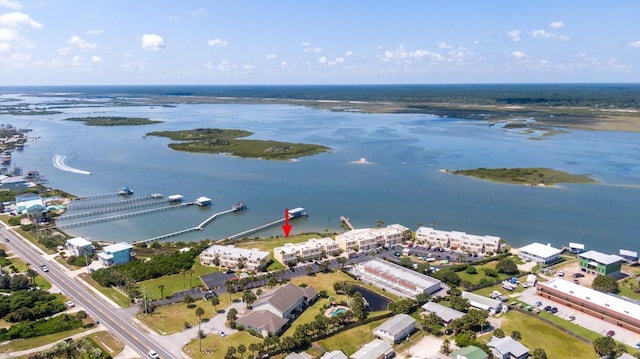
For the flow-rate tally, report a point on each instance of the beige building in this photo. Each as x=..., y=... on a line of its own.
x=312, y=249
x=459, y=241
x=236, y=258
x=365, y=239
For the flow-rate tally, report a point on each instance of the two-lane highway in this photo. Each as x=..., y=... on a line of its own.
x=116, y=320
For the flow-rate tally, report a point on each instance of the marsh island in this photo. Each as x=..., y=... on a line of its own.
x=527, y=176
x=216, y=141
x=113, y=121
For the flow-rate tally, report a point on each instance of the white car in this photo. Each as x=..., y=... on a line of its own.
x=70, y=303
x=153, y=354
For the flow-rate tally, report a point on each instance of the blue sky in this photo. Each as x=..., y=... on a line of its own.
x=93, y=42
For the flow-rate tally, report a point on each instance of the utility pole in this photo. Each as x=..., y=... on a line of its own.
x=144, y=291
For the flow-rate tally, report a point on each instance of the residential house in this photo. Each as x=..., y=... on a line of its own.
x=336, y=354
x=445, y=313
x=263, y=322
x=600, y=263
x=79, y=246
x=395, y=329
x=507, y=348
x=115, y=254
x=470, y=352
x=481, y=302
x=539, y=253
x=376, y=349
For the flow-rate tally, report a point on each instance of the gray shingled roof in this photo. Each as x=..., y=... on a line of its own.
x=282, y=298
x=508, y=345
x=262, y=320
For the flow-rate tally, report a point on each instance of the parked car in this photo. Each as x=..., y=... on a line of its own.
x=576, y=281
x=578, y=275
x=560, y=273
x=611, y=333
x=572, y=318
x=638, y=345
x=537, y=304
x=554, y=310
x=6, y=239
x=70, y=304
x=449, y=331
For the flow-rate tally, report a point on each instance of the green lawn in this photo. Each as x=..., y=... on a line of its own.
x=175, y=282
x=536, y=333
x=349, y=341
x=217, y=345
x=475, y=278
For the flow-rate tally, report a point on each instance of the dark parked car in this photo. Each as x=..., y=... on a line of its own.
x=448, y=331
x=611, y=333
x=578, y=275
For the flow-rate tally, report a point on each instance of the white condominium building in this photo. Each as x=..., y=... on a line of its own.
x=232, y=257
x=365, y=239
x=311, y=249
x=459, y=241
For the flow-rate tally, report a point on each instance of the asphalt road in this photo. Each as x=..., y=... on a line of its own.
x=117, y=321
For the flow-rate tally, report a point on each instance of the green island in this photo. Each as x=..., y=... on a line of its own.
x=216, y=141
x=536, y=176
x=113, y=121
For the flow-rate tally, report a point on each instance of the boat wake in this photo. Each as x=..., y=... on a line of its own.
x=58, y=162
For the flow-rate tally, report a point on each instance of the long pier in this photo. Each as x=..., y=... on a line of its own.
x=97, y=196
x=73, y=206
x=111, y=209
x=262, y=227
x=199, y=227
x=122, y=216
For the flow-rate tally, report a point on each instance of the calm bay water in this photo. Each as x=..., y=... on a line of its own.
x=401, y=184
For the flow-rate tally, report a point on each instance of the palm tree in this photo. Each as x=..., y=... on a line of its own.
x=161, y=287
x=32, y=274
x=215, y=301
x=241, y=349
x=190, y=271
x=253, y=347
x=199, y=313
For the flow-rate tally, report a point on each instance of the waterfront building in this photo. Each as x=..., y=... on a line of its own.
x=458, y=241
x=613, y=309
x=405, y=281
x=600, y=263
x=115, y=254
x=477, y=301
x=79, y=246
x=395, y=329
x=29, y=203
x=366, y=239
x=237, y=258
x=203, y=201
x=312, y=249
x=539, y=253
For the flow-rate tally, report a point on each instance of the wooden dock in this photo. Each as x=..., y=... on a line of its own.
x=345, y=220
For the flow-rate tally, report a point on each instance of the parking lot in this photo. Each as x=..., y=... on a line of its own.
x=587, y=321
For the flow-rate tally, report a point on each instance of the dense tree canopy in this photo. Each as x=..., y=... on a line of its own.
x=605, y=284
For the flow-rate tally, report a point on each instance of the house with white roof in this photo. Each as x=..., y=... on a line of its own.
x=237, y=258
x=395, y=329
x=615, y=310
x=507, y=348
x=481, y=302
x=445, y=313
x=600, y=263
x=376, y=349
x=336, y=354
x=540, y=253
x=79, y=246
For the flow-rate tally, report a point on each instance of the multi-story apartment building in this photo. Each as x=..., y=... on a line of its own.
x=365, y=239
x=312, y=249
x=459, y=241
x=236, y=258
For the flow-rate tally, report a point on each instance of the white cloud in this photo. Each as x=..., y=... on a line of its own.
x=80, y=43
x=18, y=19
x=635, y=44
x=10, y=4
x=541, y=34
x=515, y=35
x=407, y=56
x=348, y=53
x=581, y=54
x=199, y=12
x=217, y=42
x=271, y=56
x=311, y=49
x=64, y=50
x=444, y=45
x=5, y=47
x=95, y=32
x=518, y=55
x=152, y=42
x=134, y=65
x=174, y=18
x=556, y=24
x=7, y=35
x=322, y=60
x=283, y=65
x=96, y=58
x=78, y=62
